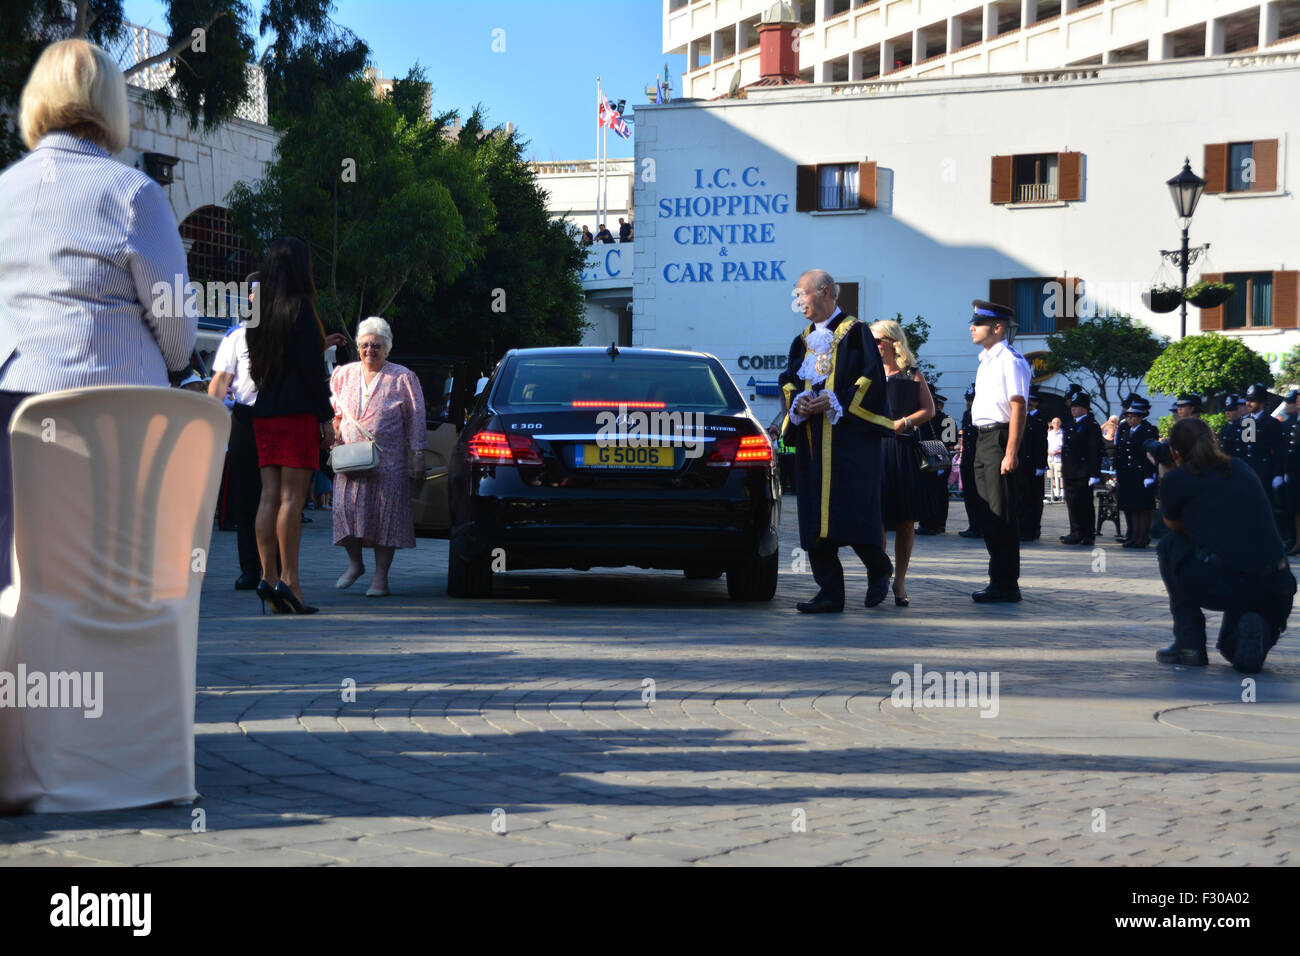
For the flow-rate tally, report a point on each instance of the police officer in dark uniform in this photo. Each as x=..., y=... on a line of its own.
x=1080, y=468
x=1230, y=434
x=1291, y=489
x=1188, y=405
x=934, y=510
x=969, y=496
x=1032, y=470
x=1261, y=441
x=1135, y=473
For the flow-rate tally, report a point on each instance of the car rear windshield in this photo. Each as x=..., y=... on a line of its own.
x=679, y=381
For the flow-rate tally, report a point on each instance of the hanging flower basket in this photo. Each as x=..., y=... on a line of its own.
x=1210, y=295
x=1162, y=298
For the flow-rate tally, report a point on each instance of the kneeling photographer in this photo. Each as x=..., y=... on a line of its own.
x=1224, y=554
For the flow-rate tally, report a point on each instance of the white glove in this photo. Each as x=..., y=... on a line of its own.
x=1093, y=481
x=1277, y=482
x=1148, y=482
x=1038, y=473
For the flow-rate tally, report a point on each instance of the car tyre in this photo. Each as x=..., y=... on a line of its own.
x=753, y=578
x=468, y=576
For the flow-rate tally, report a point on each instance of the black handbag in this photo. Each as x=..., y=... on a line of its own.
x=931, y=456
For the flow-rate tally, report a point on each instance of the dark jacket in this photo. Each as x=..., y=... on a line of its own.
x=1262, y=446
x=1081, y=448
x=298, y=384
x=1033, y=448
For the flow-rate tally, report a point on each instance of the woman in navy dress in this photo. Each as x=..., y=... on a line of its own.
x=902, y=488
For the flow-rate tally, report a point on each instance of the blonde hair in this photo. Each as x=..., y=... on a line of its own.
x=75, y=87
x=889, y=329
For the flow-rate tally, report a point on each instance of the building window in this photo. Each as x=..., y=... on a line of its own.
x=1037, y=177
x=838, y=186
x=835, y=186
x=1251, y=305
x=1043, y=304
x=1241, y=167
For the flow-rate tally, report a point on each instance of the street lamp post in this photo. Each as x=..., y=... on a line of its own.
x=1186, y=189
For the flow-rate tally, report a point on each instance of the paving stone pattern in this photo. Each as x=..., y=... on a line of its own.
x=771, y=738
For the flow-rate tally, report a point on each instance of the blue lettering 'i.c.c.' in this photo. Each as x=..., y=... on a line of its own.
x=718, y=237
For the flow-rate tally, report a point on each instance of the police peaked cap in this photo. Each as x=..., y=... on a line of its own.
x=1188, y=398
x=1080, y=398
x=970, y=392
x=1293, y=396
x=1137, y=405
x=991, y=312
x=1257, y=393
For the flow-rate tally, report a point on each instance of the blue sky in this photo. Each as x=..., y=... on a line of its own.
x=544, y=81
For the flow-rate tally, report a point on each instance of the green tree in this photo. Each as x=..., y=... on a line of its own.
x=1113, y=349
x=1207, y=364
x=389, y=208
x=527, y=289
x=1290, y=374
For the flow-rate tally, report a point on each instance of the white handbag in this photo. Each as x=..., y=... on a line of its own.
x=355, y=455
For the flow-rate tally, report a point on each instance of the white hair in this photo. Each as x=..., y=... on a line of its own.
x=376, y=326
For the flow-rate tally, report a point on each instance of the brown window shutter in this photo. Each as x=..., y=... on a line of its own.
x=866, y=185
x=1069, y=287
x=1212, y=319
x=848, y=300
x=1000, y=187
x=1286, y=299
x=805, y=191
x=1003, y=292
x=1069, y=168
x=1265, y=153
x=1216, y=167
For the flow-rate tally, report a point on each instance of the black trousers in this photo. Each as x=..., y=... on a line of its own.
x=970, y=496
x=1000, y=494
x=1031, y=501
x=245, y=487
x=934, y=511
x=1079, y=505
x=1195, y=579
x=829, y=573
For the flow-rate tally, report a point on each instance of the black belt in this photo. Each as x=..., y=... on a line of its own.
x=997, y=426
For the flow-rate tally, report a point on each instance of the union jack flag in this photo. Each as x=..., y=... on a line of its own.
x=606, y=115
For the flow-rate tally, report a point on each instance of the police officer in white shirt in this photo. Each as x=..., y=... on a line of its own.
x=1001, y=385
x=230, y=372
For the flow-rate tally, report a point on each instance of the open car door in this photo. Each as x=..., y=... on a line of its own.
x=448, y=384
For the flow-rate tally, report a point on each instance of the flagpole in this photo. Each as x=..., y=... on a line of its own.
x=597, y=153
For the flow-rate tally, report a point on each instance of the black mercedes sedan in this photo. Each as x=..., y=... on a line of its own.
x=589, y=457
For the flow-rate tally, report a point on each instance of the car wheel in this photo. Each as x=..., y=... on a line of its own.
x=754, y=578
x=468, y=576
x=703, y=573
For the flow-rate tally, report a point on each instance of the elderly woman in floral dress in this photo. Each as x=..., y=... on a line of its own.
x=372, y=509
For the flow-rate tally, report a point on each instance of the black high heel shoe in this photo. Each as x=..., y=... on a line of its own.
x=900, y=601
x=268, y=593
x=292, y=604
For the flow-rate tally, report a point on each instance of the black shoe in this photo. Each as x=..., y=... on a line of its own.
x=1173, y=654
x=1070, y=539
x=1089, y=541
x=247, y=582
x=271, y=595
x=1251, y=632
x=928, y=531
x=1028, y=538
x=820, y=605
x=992, y=595
x=968, y=533
x=877, y=588
x=291, y=602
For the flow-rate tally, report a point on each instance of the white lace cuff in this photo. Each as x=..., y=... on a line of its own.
x=836, y=412
x=796, y=419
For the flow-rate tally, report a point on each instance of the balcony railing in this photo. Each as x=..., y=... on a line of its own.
x=1036, y=192
x=136, y=43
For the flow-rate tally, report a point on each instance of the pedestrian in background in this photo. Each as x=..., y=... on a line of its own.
x=380, y=401
x=1055, y=441
x=902, y=487
x=1135, y=473
x=1033, y=467
x=1081, y=469
x=83, y=241
x=292, y=415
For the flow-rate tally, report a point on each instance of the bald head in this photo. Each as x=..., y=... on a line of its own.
x=819, y=280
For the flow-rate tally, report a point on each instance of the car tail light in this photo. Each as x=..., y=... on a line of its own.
x=747, y=452
x=527, y=451
x=614, y=403
x=490, y=447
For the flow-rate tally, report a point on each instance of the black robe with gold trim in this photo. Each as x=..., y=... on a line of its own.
x=837, y=467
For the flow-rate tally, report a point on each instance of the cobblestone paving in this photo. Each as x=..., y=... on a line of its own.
x=771, y=736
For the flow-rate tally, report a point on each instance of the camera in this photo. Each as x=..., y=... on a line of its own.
x=1158, y=449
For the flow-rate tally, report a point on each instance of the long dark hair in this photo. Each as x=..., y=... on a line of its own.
x=1198, y=448
x=285, y=284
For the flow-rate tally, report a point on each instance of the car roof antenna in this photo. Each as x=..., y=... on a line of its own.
x=612, y=351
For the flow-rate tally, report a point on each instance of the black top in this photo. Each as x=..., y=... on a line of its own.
x=1228, y=515
x=298, y=385
x=1262, y=445
x=1081, y=448
x=904, y=394
x=1033, y=447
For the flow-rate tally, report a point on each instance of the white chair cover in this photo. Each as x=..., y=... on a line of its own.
x=114, y=493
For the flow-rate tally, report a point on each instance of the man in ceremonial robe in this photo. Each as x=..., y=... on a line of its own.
x=834, y=393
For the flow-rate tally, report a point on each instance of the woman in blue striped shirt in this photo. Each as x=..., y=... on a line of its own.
x=85, y=242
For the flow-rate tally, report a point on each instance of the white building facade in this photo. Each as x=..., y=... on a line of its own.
x=920, y=196
x=851, y=40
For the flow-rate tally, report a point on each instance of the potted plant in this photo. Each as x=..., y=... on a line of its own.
x=1162, y=298
x=1208, y=295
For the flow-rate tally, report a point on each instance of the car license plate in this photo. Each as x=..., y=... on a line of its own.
x=621, y=456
